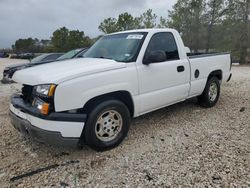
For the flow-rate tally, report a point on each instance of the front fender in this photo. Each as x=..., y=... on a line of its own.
x=74, y=94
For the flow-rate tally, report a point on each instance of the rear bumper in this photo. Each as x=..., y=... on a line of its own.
x=40, y=135
x=60, y=129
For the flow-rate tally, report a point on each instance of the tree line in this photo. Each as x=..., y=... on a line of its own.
x=205, y=26
x=62, y=40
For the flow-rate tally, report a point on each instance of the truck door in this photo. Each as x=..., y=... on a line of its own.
x=166, y=82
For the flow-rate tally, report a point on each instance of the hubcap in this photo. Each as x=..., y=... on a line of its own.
x=108, y=125
x=213, y=91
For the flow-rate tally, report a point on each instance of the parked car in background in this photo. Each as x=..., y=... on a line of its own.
x=22, y=56
x=45, y=58
x=73, y=54
x=42, y=59
x=12, y=56
x=123, y=75
x=3, y=55
x=25, y=56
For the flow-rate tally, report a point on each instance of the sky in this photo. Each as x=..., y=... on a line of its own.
x=39, y=18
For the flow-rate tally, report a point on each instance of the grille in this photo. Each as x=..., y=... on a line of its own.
x=27, y=93
x=5, y=72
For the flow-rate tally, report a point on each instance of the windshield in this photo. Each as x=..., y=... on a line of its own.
x=38, y=59
x=122, y=47
x=69, y=54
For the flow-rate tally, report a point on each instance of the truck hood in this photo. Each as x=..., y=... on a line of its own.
x=61, y=71
x=17, y=66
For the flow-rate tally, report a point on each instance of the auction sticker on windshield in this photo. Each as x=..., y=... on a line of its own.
x=138, y=37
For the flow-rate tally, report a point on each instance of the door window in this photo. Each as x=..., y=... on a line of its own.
x=164, y=41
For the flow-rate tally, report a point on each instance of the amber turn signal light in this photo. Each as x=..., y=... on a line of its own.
x=51, y=90
x=44, y=109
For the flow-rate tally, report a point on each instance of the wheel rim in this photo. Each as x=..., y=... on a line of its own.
x=108, y=125
x=213, y=91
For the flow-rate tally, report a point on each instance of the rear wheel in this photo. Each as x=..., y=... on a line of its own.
x=211, y=93
x=107, y=125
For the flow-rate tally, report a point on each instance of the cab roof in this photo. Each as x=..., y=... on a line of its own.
x=151, y=30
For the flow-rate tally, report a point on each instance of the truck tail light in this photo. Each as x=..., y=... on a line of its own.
x=231, y=62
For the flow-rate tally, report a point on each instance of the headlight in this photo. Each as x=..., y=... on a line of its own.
x=45, y=90
x=42, y=106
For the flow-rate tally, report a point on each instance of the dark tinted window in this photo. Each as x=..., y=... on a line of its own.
x=165, y=42
x=51, y=57
x=69, y=54
x=38, y=59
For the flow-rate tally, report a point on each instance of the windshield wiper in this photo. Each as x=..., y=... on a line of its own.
x=102, y=57
x=106, y=58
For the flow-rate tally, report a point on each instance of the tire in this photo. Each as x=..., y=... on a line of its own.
x=211, y=93
x=107, y=125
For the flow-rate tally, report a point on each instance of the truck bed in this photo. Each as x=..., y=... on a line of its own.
x=199, y=55
x=202, y=65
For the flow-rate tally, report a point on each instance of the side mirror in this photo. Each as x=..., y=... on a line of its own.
x=154, y=57
x=187, y=49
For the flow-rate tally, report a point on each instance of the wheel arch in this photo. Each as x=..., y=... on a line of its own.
x=122, y=95
x=217, y=73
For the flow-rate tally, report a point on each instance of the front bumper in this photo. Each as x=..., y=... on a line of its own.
x=59, y=129
x=40, y=135
x=6, y=79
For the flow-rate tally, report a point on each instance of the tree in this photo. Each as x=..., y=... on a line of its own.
x=76, y=39
x=45, y=43
x=148, y=19
x=124, y=22
x=163, y=23
x=108, y=25
x=225, y=25
x=64, y=40
x=45, y=46
x=215, y=10
x=244, y=19
x=31, y=45
x=197, y=9
x=25, y=45
x=187, y=17
x=59, y=39
x=232, y=33
x=127, y=22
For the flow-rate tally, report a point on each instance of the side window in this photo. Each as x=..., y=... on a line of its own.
x=165, y=42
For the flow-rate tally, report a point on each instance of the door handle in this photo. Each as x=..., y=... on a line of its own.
x=180, y=68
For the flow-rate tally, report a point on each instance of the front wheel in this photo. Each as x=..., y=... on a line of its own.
x=107, y=125
x=211, y=93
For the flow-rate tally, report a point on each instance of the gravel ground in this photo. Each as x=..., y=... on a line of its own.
x=181, y=145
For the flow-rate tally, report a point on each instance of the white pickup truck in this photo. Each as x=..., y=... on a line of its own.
x=123, y=75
